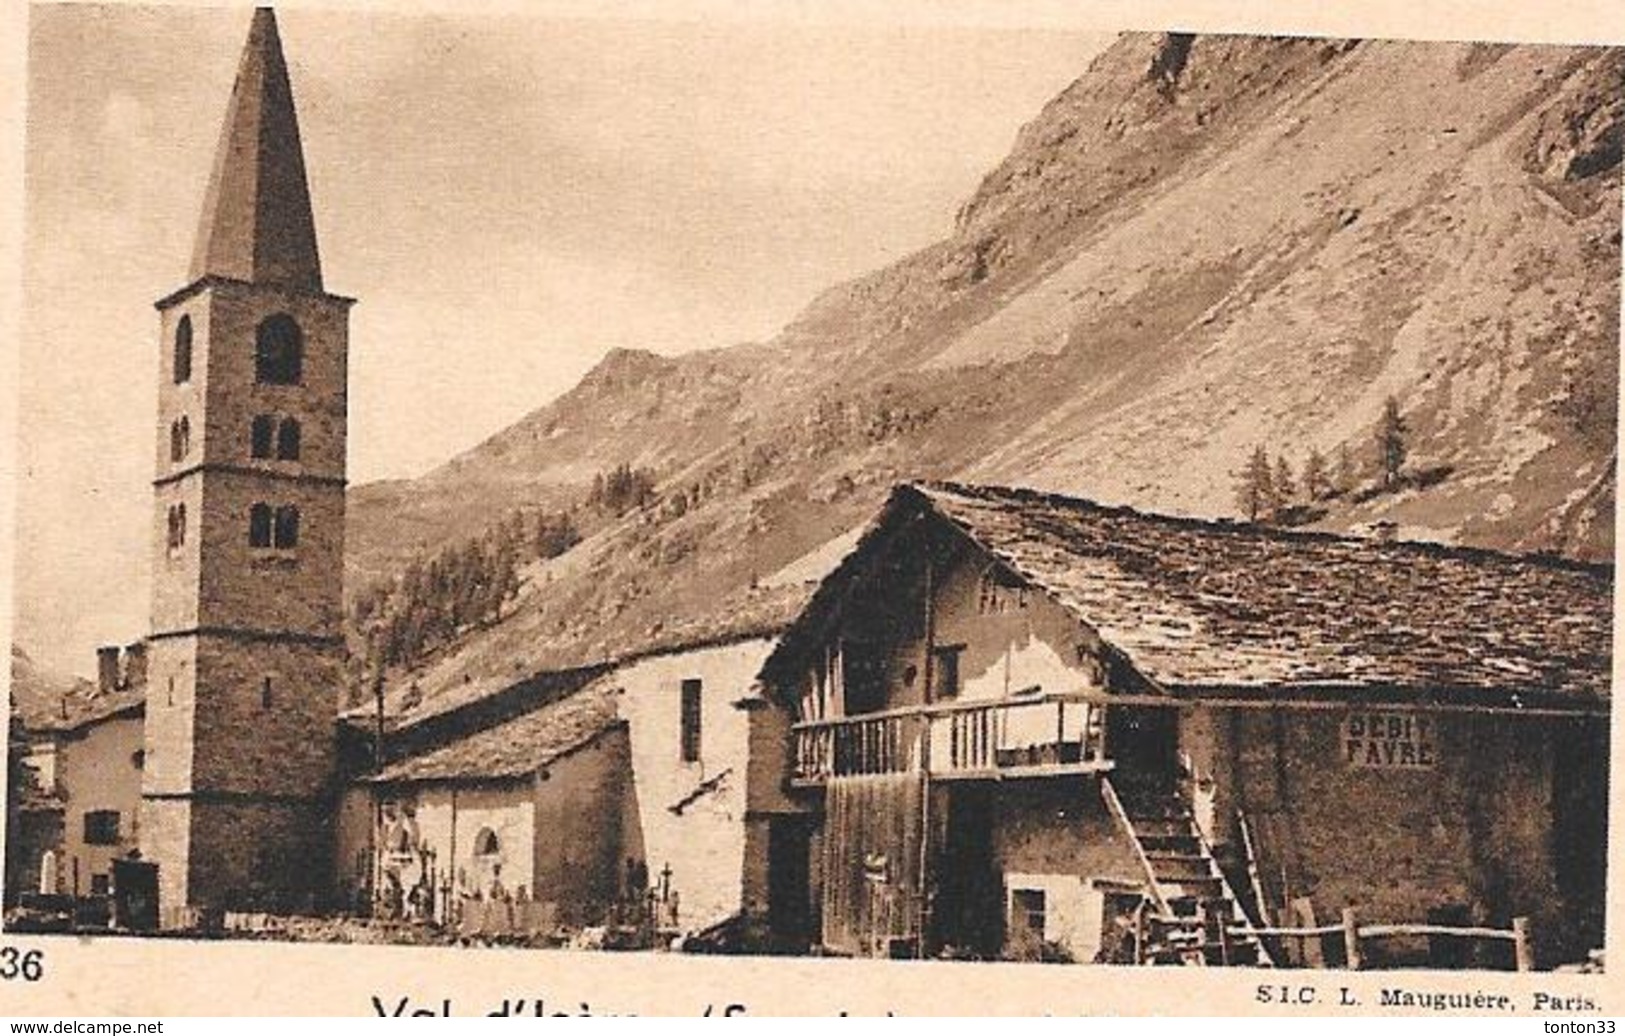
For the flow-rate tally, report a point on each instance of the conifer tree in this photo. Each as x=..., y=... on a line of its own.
x=1345, y=477
x=1317, y=482
x=1254, y=486
x=1283, y=487
x=1391, y=446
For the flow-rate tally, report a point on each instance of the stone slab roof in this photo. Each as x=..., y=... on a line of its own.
x=79, y=711
x=257, y=224
x=48, y=702
x=518, y=747
x=1216, y=605
x=1225, y=609
x=483, y=668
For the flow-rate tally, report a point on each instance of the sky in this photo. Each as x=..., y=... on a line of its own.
x=508, y=197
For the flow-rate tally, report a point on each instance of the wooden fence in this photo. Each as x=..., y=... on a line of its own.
x=1355, y=935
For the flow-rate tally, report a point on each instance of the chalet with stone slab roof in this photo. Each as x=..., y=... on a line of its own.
x=1031, y=726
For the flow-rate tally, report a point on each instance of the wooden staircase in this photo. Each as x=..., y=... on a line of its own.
x=1193, y=916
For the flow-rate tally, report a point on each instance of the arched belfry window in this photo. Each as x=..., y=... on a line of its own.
x=259, y=525
x=279, y=351
x=286, y=532
x=260, y=436
x=485, y=843
x=287, y=439
x=183, y=350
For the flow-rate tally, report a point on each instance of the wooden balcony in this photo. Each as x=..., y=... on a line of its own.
x=1037, y=736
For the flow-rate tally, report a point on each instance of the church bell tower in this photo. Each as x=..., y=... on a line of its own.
x=246, y=649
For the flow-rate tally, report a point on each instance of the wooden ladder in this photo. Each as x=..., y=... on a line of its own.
x=1196, y=917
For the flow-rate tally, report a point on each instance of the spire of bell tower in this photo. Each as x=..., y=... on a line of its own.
x=257, y=224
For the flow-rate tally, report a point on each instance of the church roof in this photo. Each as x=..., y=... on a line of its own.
x=257, y=224
x=519, y=747
x=1216, y=609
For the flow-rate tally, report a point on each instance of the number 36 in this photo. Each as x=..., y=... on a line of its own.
x=27, y=965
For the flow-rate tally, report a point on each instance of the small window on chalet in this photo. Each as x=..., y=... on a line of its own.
x=1000, y=592
x=287, y=439
x=945, y=671
x=286, y=532
x=1028, y=911
x=183, y=350
x=265, y=693
x=690, y=718
x=279, y=351
x=259, y=525
x=101, y=827
x=259, y=446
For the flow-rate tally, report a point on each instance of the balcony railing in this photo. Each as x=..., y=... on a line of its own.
x=1044, y=735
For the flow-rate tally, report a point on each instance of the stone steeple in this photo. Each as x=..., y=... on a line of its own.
x=246, y=655
x=257, y=224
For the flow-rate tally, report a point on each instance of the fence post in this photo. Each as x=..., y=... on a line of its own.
x=1139, y=932
x=1521, y=950
x=1351, y=940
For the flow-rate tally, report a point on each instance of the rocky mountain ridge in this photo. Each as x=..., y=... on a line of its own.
x=1203, y=245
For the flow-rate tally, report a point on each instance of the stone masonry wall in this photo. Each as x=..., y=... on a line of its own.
x=166, y=840
x=171, y=693
x=247, y=744
x=272, y=856
x=578, y=841
x=245, y=587
x=1474, y=830
x=691, y=814
x=234, y=398
x=257, y=757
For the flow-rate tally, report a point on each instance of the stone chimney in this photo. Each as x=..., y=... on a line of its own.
x=135, y=666
x=107, y=669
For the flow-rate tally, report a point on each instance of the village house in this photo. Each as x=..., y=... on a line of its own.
x=84, y=753
x=1032, y=726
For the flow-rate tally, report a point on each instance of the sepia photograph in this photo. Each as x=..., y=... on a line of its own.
x=958, y=493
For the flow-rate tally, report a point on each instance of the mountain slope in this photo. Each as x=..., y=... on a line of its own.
x=1201, y=245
